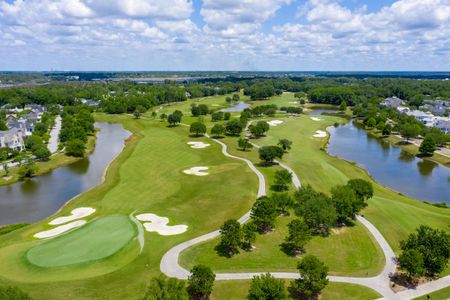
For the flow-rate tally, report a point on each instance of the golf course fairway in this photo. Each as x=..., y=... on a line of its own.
x=96, y=240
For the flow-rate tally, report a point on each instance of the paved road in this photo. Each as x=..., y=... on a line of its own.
x=54, y=136
x=381, y=283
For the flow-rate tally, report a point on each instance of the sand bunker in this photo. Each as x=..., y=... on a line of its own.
x=60, y=229
x=197, y=171
x=320, y=134
x=274, y=123
x=293, y=102
x=198, y=145
x=315, y=119
x=76, y=214
x=159, y=225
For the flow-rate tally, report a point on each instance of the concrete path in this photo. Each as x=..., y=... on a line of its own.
x=381, y=283
x=54, y=136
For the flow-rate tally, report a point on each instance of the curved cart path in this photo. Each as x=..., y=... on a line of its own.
x=381, y=283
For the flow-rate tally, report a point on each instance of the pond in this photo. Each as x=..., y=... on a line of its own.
x=42, y=196
x=240, y=106
x=391, y=166
x=323, y=110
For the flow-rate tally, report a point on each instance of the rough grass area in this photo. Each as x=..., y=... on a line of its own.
x=438, y=295
x=96, y=240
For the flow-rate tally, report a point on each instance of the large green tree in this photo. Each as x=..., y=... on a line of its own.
x=299, y=234
x=197, y=128
x=163, y=288
x=200, y=282
x=266, y=287
x=230, y=238
x=427, y=147
x=269, y=153
x=282, y=180
x=264, y=213
x=313, y=277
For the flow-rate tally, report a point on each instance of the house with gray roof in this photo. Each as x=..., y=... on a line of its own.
x=12, y=138
x=392, y=102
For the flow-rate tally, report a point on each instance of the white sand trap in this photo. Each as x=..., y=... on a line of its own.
x=316, y=119
x=320, y=134
x=197, y=171
x=159, y=225
x=293, y=102
x=60, y=229
x=198, y=145
x=76, y=214
x=274, y=123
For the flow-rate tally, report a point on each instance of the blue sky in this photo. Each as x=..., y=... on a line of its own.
x=225, y=35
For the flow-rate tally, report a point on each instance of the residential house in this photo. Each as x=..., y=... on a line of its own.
x=13, y=139
x=426, y=118
x=445, y=103
x=22, y=125
x=392, y=102
x=39, y=109
x=443, y=124
x=32, y=116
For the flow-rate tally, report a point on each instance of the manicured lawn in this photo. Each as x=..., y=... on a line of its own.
x=358, y=255
x=146, y=177
x=237, y=290
x=96, y=240
x=438, y=295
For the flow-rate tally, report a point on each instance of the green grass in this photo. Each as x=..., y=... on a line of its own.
x=237, y=290
x=358, y=254
x=438, y=295
x=97, y=240
x=146, y=177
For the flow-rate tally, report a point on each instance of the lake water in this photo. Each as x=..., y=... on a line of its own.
x=319, y=111
x=240, y=106
x=42, y=196
x=391, y=166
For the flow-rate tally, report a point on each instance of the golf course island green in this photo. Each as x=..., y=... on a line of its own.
x=94, y=241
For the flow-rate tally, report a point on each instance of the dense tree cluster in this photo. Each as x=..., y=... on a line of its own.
x=425, y=252
x=259, y=129
x=199, y=110
x=77, y=124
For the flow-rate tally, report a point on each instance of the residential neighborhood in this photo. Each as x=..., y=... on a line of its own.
x=434, y=113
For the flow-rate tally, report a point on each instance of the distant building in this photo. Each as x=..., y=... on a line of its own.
x=89, y=102
x=25, y=127
x=12, y=139
x=436, y=110
x=425, y=117
x=392, y=102
x=443, y=124
x=32, y=117
x=445, y=103
x=36, y=108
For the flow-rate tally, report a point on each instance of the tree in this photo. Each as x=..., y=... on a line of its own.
x=75, y=148
x=41, y=152
x=409, y=131
x=269, y=153
x=344, y=199
x=3, y=126
x=228, y=100
x=433, y=245
x=316, y=209
x=244, y=144
x=163, y=117
x=217, y=116
x=154, y=114
x=139, y=111
x=230, y=238
x=174, y=119
x=363, y=190
x=236, y=97
x=200, y=282
x=27, y=170
x=13, y=293
x=283, y=178
x=313, y=277
x=233, y=127
x=163, y=288
x=343, y=106
x=411, y=261
x=371, y=123
x=259, y=129
x=299, y=235
x=387, y=129
x=285, y=144
x=283, y=201
x=427, y=147
x=248, y=235
x=264, y=213
x=217, y=130
x=267, y=287
x=197, y=128
x=199, y=110
x=226, y=116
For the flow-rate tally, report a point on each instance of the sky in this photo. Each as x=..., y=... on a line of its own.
x=254, y=35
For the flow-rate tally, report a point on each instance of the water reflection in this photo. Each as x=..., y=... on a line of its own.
x=42, y=196
x=240, y=106
x=391, y=166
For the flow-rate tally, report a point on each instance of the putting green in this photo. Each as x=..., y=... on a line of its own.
x=96, y=240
